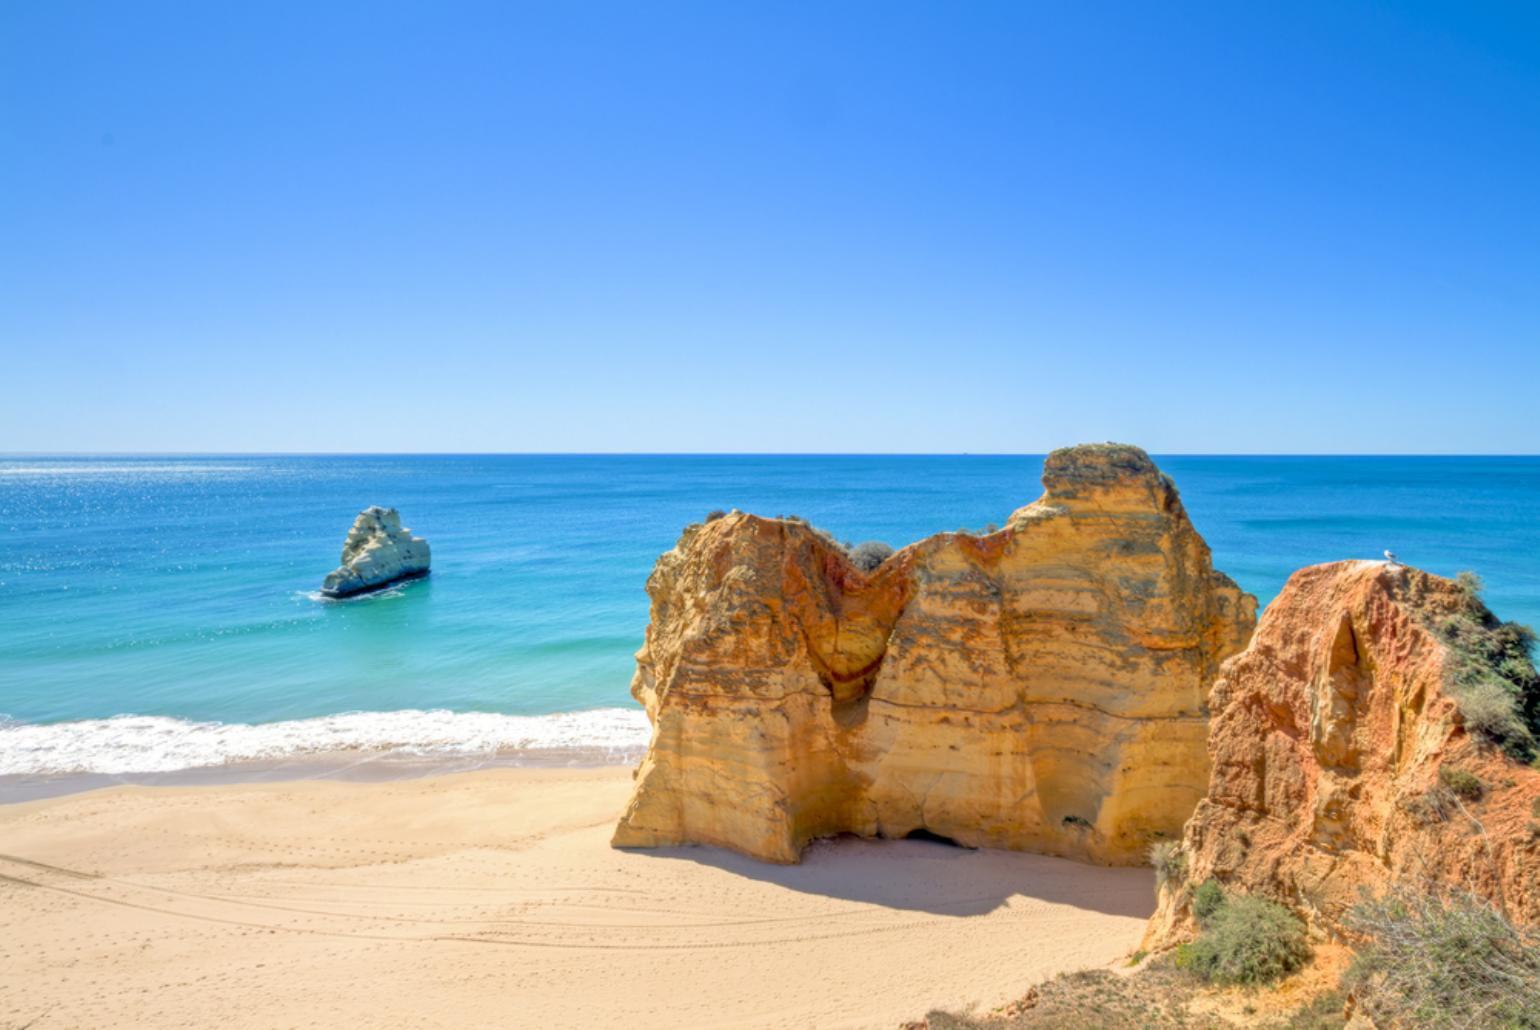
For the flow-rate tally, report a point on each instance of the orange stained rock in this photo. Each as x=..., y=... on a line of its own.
x=1330, y=736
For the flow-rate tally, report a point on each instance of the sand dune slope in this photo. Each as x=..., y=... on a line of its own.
x=493, y=899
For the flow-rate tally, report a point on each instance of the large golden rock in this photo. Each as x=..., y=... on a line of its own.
x=1039, y=688
x=1341, y=762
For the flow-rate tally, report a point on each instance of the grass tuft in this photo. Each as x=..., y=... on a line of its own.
x=1170, y=863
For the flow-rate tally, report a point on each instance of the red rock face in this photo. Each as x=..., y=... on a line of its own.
x=1327, y=739
x=1039, y=688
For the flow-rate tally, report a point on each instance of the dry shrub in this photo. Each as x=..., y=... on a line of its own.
x=1489, y=710
x=869, y=555
x=1434, y=805
x=1443, y=958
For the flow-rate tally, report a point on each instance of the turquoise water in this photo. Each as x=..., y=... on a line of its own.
x=183, y=588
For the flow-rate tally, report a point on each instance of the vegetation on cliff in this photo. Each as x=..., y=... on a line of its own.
x=1245, y=940
x=1427, y=956
x=869, y=555
x=1491, y=672
x=1169, y=862
x=1434, y=957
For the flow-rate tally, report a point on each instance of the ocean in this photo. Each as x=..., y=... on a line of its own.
x=161, y=613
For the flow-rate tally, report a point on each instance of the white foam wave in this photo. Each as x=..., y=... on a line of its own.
x=372, y=595
x=152, y=743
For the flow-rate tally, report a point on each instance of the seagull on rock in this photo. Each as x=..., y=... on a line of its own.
x=1390, y=557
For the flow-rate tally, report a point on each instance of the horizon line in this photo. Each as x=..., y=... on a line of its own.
x=747, y=454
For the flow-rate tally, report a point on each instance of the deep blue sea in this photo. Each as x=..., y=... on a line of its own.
x=160, y=612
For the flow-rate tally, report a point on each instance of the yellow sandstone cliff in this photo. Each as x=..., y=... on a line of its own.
x=1039, y=688
x=1342, y=761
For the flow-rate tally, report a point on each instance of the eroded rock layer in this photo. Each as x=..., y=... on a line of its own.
x=1040, y=687
x=1340, y=761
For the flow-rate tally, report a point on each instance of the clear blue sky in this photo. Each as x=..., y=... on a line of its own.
x=1225, y=227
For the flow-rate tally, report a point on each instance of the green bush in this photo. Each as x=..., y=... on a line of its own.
x=869, y=555
x=714, y=514
x=1170, y=863
x=1463, y=784
x=1207, y=899
x=1470, y=584
x=1492, y=675
x=1443, y=959
x=1246, y=940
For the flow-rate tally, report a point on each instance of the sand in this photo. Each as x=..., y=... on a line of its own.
x=493, y=899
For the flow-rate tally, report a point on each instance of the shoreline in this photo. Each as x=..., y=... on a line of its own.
x=489, y=897
x=350, y=765
x=44, y=758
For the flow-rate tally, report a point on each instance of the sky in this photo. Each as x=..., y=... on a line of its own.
x=769, y=227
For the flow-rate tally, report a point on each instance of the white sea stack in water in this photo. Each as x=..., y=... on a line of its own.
x=377, y=553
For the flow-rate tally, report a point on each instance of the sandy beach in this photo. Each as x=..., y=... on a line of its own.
x=492, y=898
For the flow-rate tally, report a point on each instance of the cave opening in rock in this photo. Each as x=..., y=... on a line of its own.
x=935, y=838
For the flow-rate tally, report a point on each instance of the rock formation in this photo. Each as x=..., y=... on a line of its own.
x=1039, y=688
x=377, y=553
x=1340, y=758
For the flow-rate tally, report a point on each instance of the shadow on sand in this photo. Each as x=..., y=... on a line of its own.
x=940, y=878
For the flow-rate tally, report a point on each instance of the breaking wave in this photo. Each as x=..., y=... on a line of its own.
x=153, y=743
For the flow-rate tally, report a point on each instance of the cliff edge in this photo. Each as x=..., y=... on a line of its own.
x=1040, y=687
x=1361, y=741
